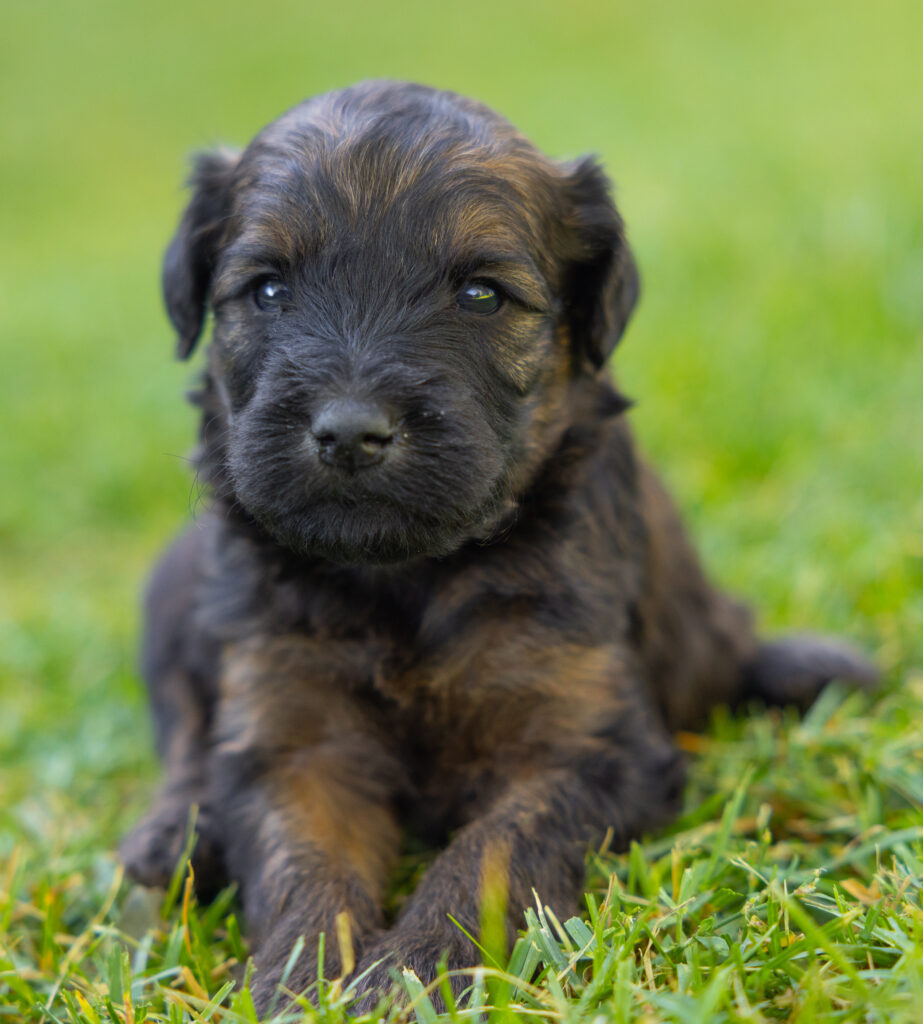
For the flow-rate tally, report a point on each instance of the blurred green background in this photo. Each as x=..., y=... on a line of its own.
x=769, y=162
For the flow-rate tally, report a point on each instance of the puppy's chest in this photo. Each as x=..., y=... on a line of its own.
x=408, y=654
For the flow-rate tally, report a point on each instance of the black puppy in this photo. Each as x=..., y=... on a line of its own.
x=436, y=589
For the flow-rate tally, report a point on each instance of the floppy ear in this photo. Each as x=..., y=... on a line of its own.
x=601, y=282
x=187, y=265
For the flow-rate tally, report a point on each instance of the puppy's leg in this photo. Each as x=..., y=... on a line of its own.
x=573, y=766
x=699, y=645
x=179, y=663
x=307, y=782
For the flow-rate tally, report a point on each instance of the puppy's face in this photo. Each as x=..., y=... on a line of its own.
x=404, y=291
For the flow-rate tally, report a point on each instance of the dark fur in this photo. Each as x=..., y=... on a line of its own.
x=488, y=636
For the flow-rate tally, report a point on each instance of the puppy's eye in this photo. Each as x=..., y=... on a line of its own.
x=479, y=297
x=271, y=295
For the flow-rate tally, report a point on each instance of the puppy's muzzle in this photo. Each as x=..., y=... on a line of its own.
x=352, y=434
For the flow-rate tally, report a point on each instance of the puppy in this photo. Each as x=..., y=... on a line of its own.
x=436, y=589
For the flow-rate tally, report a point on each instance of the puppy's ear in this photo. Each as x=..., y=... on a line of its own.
x=187, y=265
x=601, y=282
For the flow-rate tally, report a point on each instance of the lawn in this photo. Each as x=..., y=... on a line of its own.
x=768, y=164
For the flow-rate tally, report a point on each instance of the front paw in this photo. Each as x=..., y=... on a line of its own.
x=380, y=969
x=287, y=960
x=281, y=973
x=152, y=849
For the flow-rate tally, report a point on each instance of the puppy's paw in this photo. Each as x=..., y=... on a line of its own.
x=383, y=963
x=794, y=669
x=151, y=850
x=268, y=991
x=287, y=960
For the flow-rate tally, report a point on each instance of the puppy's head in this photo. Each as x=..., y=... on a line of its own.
x=404, y=292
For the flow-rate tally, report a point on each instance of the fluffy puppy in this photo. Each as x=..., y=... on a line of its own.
x=436, y=590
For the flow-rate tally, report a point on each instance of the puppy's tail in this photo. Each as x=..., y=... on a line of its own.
x=794, y=669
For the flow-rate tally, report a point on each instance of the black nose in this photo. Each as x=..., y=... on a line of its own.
x=352, y=433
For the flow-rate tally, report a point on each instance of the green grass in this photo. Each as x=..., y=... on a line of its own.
x=768, y=165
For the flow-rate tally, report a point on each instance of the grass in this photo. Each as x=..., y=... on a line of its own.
x=789, y=891
x=767, y=160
